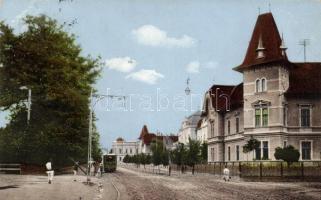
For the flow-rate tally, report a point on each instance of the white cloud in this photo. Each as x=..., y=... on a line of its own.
x=146, y=76
x=193, y=67
x=153, y=36
x=211, y=65
x=122, y=64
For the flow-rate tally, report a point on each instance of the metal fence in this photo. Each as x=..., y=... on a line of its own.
x=263, y=168
x=309, y=170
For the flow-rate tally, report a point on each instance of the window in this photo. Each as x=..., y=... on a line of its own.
x=120, y=151
x=237, y=125
x=285, y=110
x=265, y=117
x=265, y=150
x=263, y=84
x=306, y=150
x=262, y=152
x=305, y=116
x=228, y=127
x=258, y=153
x=229, y=153
x=212, y=130
x=130, y=151
x=126, y=151
x=285, y=144
x=212, y=154
x=237, y=152
x=258, y=85
x=261, y=116
x=257, y=117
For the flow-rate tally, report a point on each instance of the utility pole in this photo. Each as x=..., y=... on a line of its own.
x=304, y=43
x=90, y=131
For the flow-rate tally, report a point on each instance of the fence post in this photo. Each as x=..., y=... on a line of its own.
x=281, y=168
x=240, y=168
x=302, y=169
x=260, y=169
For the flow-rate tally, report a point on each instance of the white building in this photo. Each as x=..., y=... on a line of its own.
x=188, y=128
x=202, y=130
x=121, y=148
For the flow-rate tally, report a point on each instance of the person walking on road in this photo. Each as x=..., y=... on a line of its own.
x=226, y=174
x=75, y=170
x=50, y=172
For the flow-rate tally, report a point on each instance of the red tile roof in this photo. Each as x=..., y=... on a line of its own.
x=147, y=137
x=266, y=29
x=234, y=93
x=143, y=132
x=305, y=80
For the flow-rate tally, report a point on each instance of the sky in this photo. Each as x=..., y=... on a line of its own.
x=150, y=48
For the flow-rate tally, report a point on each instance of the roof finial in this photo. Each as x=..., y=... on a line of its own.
x=269, y=7
x=259, y=10
x=283, y=47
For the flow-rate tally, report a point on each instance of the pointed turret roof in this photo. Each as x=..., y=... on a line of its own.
x=143, y=132
x=265, y=34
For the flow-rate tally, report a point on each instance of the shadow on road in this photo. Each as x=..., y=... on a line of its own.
x=8, y=187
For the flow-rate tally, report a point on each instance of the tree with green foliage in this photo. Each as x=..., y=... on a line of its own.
x=204, y=150
x=47, y=60
x=157, y=151
x=288, y=154
x=251, y=145
x=165, y=157
x=193, y=155
x=178, y=155
x=126, y=159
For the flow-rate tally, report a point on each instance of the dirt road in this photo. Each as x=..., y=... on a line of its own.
x=138, y=185
x=18, y=187
x=132, y=184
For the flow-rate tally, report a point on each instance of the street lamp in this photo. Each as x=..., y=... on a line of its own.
x=187, y=90
x=92, y=104
x=28, y=102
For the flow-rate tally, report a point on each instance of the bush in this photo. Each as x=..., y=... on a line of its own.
x=288, y=154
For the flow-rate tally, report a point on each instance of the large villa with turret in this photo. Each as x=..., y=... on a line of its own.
x=278, y=103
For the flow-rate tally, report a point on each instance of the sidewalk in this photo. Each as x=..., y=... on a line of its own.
x=27, y=187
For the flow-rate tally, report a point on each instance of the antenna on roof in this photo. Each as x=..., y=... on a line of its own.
x=304, y=43
x=269, y=7
x=259, y=10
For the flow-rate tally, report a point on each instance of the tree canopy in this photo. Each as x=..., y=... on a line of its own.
x=47, y=60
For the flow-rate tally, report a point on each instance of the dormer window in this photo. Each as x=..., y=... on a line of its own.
x=283, y=47
x=260, y=49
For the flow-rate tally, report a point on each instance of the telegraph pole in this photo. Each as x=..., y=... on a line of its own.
x=90, y=130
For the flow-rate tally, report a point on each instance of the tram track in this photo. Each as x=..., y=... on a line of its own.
x=115, y=187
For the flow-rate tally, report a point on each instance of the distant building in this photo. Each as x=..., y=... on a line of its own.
x=202, y=130
x=188, y=128
x=278, y=103
x=121, y=148
x=146, y=139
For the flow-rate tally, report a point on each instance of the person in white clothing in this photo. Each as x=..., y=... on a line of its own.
x=50, y=172
x=226, y=174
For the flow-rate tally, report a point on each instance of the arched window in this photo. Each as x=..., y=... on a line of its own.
x=263, y=83
x=257, y=85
